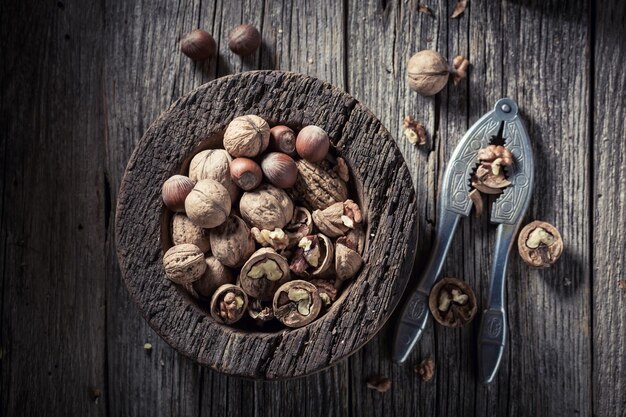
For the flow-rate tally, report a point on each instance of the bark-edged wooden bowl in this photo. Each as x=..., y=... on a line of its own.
x=386, y=196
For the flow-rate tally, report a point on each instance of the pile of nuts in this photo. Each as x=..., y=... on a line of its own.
x=268, y=235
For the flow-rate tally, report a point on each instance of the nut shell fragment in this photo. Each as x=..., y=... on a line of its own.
x=297, y=303
x=452, y=302
x=540, y=244
x=347, y=259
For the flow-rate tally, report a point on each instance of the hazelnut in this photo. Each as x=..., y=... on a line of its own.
x=263, y=273
x=198, y=45
x=297, y=303
x=246, y=136
x=208, y=204
x=540, y=244
x=267, y=207
x=452, y=302
x=244, y=39
x=231, y=242
x=184, y=263
x=312, y=143
x=279, y=169
x=175, y=190
x=314, y=256
x=215, y=275
x=276, y=238
x=246, y=173
x=228, y=304
x=427, y=72
x=283, y=139
x=338, y=218
x=214, y=164
x=185, y=231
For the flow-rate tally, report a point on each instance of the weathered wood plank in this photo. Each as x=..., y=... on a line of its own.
x=609, y=210
x=52, y=223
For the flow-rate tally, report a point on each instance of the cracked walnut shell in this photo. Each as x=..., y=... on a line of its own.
x=228, y=304
x=452, y=302
x=338, y=218
x=318, y=185
x=297, y=303
x=540, y=244
x=263, y=273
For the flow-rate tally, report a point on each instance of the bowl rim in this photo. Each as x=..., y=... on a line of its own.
x=156, y=131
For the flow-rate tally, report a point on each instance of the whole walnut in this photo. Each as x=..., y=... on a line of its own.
x=214, y=164
x=231, y=242
x=427, y=72
x=266, y=207
x=184, y=231
x=215, y=275
x=184, y=263
x=318, y=185
x=208, y=204
x=247, y=136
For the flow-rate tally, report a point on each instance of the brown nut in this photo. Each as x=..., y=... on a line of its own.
x=491, y=153
x=312, y=143
x=279, y=169
x=460, y=65
x=184, y=263
x=266, y=207
x=327, y=291
x=338, y=219
x=426, y=369
x=208, y=204
x=452, y=302
x=427, y=72
x=246, y=173
x=347, y=260
x=414, y=131
x=263, y=273
x=318, y=185
x=283, y=139
x=540, y=244
x=175, y=190
x=246, y=136
x=260, y=311
x=276, y=239
x=231, y=242
x=214, y=164
x=198, y=45
x=378, y=383
x=244, y=39
x=184, y=231
x=228, y=304
x=297, y=303
x=314, y=256
x=301, y=225
x=215, y=275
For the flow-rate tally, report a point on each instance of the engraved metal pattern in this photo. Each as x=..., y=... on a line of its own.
x=416, y=309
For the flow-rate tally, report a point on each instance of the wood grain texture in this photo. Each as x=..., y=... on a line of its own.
x=95, y=93
x=609, y=211
x=387, y=200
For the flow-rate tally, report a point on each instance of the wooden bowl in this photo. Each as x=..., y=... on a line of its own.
x=386, y=196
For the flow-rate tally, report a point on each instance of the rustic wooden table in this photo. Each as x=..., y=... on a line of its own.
x=81, y=81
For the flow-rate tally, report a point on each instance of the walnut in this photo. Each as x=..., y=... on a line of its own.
x=231, y=242
x=338, y=218
x=326, y=290
x=347, y=259
x=314, y=256
x=184, y=231
x=318, y=185
x=247, y=136
x=540, y=244
x=414, y=131
x=452, y=302
x=228, y=304
x=276, y=238
x=266, y=207
x=297, y=303
x=426, y=369
x=460, y=65
x=427, y=72
x=184, y=263
x=263, y=273
x=208, y=204
x=260, y=311
x=215, y=275
x=214, y=164
x=489, y=177
x=301, y=225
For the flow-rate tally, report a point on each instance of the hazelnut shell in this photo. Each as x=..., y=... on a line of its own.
x=198, y=45
x=174, y=192
x=283, y=139
x=246, y=173
x=279, y=169
x=244, y=39
x=312, y=143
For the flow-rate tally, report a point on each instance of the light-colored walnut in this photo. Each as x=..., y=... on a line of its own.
x=266, y=207
x=338, y=218
x=318, y=185
x=184, y=263
x=231, y=242
x=214, y=164
x=185, y=231
x=347, y=259
x=246, y=136
x=215, y=275
x=208, y=204
x=276, y=238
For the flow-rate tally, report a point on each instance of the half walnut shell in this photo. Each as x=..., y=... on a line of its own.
x=228, y=304
x=314, y=256
x=297, y=303
x=452, y=302
x=263, y=273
